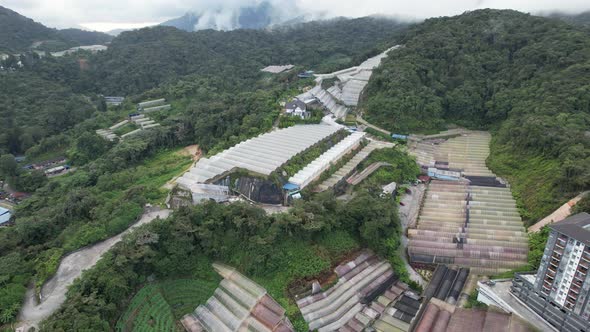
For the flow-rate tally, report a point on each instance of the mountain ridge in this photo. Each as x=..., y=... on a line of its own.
x=19, y=33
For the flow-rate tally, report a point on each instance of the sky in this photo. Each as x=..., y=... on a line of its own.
x=105, y=15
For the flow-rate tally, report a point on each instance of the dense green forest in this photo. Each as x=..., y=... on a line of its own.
x=19, y=33
x=526, y=78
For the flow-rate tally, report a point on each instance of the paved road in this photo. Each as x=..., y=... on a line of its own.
x=363, y=121
x=53, y=293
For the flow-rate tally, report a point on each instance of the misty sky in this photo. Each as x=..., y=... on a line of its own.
x=106, y=15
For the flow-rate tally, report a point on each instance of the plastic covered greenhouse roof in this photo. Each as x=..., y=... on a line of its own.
x=262, y=154
x=239, y=304
x=323, y=162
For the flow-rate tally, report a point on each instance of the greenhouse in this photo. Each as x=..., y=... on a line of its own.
x=312, y=171
x=261, y=155
x=440, y=317
x=473, y=221
x=367, y=294
x=351, y=165
x=239, y=304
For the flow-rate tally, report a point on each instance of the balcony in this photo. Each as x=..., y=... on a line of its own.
x=551, y=272
x=575, y=289
x=584, y=265
x=559, y=245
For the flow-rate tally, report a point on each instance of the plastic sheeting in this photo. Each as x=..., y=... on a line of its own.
x=312, y=171
x=238, y=304
x=262, y=154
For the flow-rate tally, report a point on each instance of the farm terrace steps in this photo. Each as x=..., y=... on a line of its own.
x=238, y=304
x=351, y=165
x=367, y=292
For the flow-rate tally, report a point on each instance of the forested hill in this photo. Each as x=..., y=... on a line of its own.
x=142, y=59
x=582, y=19
x=50, y=88
x=19, y=33
x=526, y=78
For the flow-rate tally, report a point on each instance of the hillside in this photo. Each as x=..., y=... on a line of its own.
x=19, y=33
x=140, y=60
x=526, y=78
x=582, y=19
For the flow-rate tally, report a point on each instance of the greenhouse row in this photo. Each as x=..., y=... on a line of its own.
x=351, y=165
x=262, y=154
x=467, y=152
x=238, y=304
x=439, y=317
x=468, y=226
x=313, y=170
x=367, y=293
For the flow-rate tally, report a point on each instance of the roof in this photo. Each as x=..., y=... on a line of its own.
x=290, y=186
x=296, y=103
x=576, y=226
x=262, y=154
x=4, y=215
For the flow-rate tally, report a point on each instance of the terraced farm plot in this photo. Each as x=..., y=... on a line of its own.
x=186, y=294
x=156, y=307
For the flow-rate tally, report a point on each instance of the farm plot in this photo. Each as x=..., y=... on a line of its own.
x=157, y=306
x=186, y=294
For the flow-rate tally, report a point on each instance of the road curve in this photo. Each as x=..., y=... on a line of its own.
x=53, y=292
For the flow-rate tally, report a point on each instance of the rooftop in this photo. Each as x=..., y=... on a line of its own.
x=576, y=226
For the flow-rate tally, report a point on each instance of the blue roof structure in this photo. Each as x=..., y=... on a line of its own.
x=290, y=186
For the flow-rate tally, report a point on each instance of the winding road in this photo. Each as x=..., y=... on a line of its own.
x=53, y=292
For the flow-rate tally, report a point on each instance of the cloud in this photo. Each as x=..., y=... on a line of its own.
x=68, y=13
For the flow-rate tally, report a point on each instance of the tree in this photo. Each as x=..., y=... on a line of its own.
x=8, y=166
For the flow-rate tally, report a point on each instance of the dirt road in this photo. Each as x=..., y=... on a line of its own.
x=53, y=293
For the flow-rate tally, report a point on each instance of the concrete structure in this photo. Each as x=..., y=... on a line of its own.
x=202, y=192
x=560, y=290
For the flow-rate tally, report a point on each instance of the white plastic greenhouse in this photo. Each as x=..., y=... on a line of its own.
x=262, y=154
x=312, y=171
